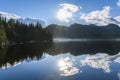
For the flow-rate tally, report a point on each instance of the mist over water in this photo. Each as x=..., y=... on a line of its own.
x=79, y=40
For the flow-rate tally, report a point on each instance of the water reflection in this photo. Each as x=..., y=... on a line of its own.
x=67, y=66
x=100, y=60
x=62, y=61
x=77, y=48
x=119, y=75
x=15, y=54
x=99, y=66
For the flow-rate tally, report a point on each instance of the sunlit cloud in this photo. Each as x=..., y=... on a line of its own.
x=66, y=12
x=100, y=17
x=118, y=3
x=66, y=66
x=117, y=18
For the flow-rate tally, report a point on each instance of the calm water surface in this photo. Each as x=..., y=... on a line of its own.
x=85, y=60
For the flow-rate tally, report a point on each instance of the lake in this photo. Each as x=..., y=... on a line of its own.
x=67, y=60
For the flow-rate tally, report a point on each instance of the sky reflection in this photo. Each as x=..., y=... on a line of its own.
x=67, y=66
x=100, y=61
x=100, y=66
x=97, y=61
x=119, y=75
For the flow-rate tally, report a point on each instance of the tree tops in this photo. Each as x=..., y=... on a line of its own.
x=17, y=32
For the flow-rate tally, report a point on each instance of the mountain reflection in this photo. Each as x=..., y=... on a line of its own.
x=85, y=47
x=17, y=53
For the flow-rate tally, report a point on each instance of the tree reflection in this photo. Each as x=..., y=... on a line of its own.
x=17, y=53
x=3, y=53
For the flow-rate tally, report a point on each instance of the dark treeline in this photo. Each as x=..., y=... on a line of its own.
x=16, y=32
x=3, y=37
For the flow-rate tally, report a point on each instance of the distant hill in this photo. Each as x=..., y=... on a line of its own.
x=84, y=31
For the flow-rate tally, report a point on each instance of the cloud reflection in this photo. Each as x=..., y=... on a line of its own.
x=119, y=75
x=100, y=61
x=97, y=61
x=67, y=64
x=117, y=58
x=67, y=67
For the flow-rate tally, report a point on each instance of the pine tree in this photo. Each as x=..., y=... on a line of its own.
x=3, y=37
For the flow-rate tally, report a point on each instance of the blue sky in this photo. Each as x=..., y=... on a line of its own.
x=48, y=9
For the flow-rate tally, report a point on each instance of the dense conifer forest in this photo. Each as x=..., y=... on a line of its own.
x=13, y=31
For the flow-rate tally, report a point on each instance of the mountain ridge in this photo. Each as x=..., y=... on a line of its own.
x=26, y=20
x=84, y=31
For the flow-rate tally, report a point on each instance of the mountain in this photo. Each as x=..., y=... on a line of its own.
x=31, y=20
x=85, y=31
x=9, y=16
x=23, y=20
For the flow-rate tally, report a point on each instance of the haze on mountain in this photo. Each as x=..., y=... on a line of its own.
x=111, y=31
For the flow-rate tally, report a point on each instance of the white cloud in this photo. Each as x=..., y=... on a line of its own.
x=118, y=3
x=99, y=17
x=117, y=18
x=66, y=12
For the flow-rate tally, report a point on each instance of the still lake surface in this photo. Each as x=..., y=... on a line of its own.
x=72, y=60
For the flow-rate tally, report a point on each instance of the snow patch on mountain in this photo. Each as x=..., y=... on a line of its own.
x=9, y=16
x=23, y=20
x=31, y=20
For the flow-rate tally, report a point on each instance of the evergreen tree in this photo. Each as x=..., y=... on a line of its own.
x=2, y=36
x=18, y=32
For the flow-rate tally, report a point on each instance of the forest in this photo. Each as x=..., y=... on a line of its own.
x=13, y=31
